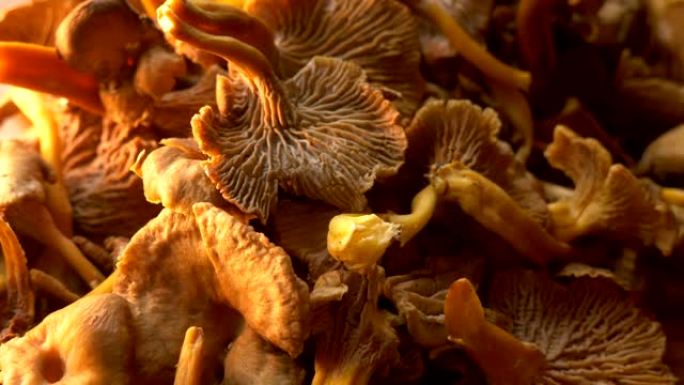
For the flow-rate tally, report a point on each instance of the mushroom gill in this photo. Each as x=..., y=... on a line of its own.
x=325, y=133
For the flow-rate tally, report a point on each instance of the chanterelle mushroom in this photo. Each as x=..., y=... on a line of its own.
x=89, y=342
x=589, y=331
x=325, y=133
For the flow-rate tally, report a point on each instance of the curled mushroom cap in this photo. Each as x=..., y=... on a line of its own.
x=378, y=35
x=89, y=342
x=589, y=330
x=325, y=133
x=608, y=198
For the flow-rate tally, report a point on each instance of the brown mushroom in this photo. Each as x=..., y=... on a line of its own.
x=608, y=198
x=89, y=342
x=589, y=330
x=325, y=133
x=22, y=196
x=20, y=297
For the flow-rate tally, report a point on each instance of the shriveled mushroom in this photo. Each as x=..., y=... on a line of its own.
x=89, y=342
x=356, y=339
x=252, y=360
x=20, y=297
x=589, y=330
x=325, y=133
x=608, y=198
x=22, y=198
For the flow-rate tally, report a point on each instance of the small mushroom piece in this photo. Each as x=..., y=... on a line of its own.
x=358, y=340
x=189, y=367
x=503, y=358
x=589, y=330
x=20, y=297
x=324, y=133
x=256, y=277
x=608, y=199
x=86, y=41
x=359, y=240
x=40, y=69
x=173, y=176
x=252, y=360
x=89, y=342
x=22, y=197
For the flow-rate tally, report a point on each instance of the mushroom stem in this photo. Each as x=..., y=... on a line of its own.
x=225, y=20
x=472, y=51
x=504, y=359
x=106, y=286
x=496, y=210
x=33, y=106
x=533, y=21
x=40, y=69
x=359, y=240
x=422, y=208
x=189, y=368
x=150, y=7
x=48, y=284
x=515, y=105
x=672, y=195
x=33, y=219
x=20, y=298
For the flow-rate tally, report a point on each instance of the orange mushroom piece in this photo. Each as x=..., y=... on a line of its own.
x=324, y=133
x=503, y=358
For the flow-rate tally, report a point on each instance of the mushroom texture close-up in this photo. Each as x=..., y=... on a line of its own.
x=341, y=192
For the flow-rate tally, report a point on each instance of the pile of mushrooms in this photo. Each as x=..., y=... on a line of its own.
x=341, y=192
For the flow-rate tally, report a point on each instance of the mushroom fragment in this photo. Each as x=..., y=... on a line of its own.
x=89, y=342
x=22, y=196
x=357, y=340
x=589, y=330
x=20, y=298
x=608, y=198
x=325, y=133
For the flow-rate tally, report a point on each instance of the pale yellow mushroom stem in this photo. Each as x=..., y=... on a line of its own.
x=50, y=285
x=472, y=51
x=20, y=297
x=672, y=195
x=40, y=69
x=189, y=368
x=504, y=359
x=495, y=209
x=33, y=105
x=106, y=286
x=33, y=219
x=422, y=208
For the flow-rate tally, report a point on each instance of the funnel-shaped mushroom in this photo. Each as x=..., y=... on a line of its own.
x=89, y=342
x=503, y=358
x=20, y=298
x=608, y=199
x=589, y=330
x=325, y=133
x=22, y=197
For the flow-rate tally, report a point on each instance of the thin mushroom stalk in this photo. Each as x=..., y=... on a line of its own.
x=39, y=68
x=47, y=284
x=503, y=358
x=190, y=362
x=20, y=297
x=472, y=51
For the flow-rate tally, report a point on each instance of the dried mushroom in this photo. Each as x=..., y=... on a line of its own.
x=607, y=199
x=325, y=133
x=89, y=342
x=589, y=330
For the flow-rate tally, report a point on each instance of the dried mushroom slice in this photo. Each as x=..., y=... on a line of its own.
x=252, y=360
x=589, y=330
x=358, y=340
x=378, y=35
x=325, y=133
x=168, y=279
x=20, y=299
x=608, y=199
x=89, y=342
x=251, y=270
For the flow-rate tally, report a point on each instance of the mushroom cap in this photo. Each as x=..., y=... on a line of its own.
x=378, y=35
x=89, y=342
x=34, y=21
x=589, y=330
x=24, y=173
x=256, y=277
x=339, y=134
x=100, y=37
